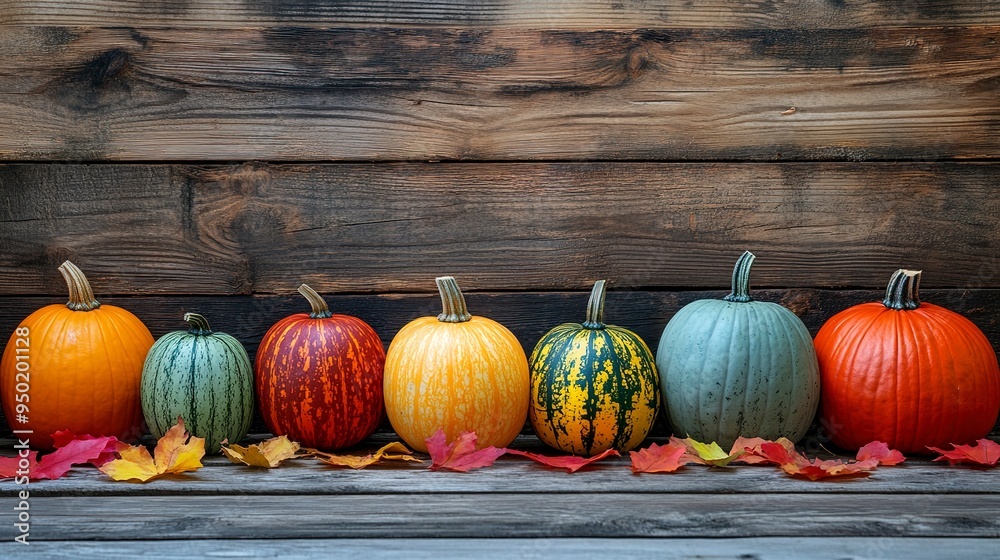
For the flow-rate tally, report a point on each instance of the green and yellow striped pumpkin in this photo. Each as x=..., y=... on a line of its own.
x=593, y=386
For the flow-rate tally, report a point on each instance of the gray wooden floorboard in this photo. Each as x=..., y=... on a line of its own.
x=513, y=474
x=511, y=515
x=815, y=548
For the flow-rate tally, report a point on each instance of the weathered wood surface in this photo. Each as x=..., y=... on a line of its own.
x=565, y=14
x=545, y=515
x=517, y=475
x=470, y=93
x=359, y=228
x=750, y=548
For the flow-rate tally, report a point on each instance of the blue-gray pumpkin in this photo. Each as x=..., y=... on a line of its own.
x=203, y=376
x=738, y=367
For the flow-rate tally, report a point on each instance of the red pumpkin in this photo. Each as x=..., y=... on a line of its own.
x=319, y=377
x=907, y=373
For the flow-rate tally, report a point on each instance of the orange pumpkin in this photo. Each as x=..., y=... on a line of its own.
x=458, y=373
x=908, y=373
x=84, y=367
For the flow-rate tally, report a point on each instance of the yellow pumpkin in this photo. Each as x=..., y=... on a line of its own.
x=458, y=373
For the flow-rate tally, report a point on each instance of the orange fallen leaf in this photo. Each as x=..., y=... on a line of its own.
x=879, y=450
x=461, y=455
x=571, y=463
x=266, y=454
x=986, y=453
x=659, y=458
x=176, y=452
x=394, y=451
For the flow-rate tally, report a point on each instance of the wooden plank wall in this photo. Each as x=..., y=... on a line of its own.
x=211, y=155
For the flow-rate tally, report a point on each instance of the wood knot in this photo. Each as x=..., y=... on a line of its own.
x=637, y=61
x=106, y=66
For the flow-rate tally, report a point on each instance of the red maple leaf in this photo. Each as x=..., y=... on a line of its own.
x=986, y=452
x=659, y=458
x=571, y=463
x=879, y=450
x=461, y=455
x=63, y=437
x=9, y=465
x=796, y=464
x=58, y=463
x=751, y=451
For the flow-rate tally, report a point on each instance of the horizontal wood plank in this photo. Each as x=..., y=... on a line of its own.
x=755, y=548
x=467, y=93
x=363, y=228
x=462, y=515
x=567, y=14
x=527, y=315
x=219, y=477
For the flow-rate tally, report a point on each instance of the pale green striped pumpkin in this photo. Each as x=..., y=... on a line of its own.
x=737, y=367
x=204, y=377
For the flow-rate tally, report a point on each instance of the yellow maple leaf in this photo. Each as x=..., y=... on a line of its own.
x=175, y=453
x=266, y=454
x=394, y=451
x=707, y=453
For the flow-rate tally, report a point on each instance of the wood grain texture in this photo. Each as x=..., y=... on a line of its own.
x=468, y=93
x=362, y=228
x=527, y=315
x=219, y=477
x=459, y=515
x=750, y=548
x=566, y=14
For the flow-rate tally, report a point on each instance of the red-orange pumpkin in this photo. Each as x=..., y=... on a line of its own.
x=319, y=377
x=80, y=365
x=908, y=373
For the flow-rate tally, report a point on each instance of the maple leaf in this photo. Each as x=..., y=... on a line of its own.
x=176, y=452
x=752, y=454
x=659, y=458
x=57, y=463
x=461, y=455
x=10, y=465
x=394, y=451
x=571, y=463
x=879, y=450
x=796, y=464
x=751, y=450
x=986, y=453
x=266, y=454
x=63, y=437
x=705, y=453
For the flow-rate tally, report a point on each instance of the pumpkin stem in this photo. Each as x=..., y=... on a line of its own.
x=595, y=307
x=741, y=279
x=452, y=301
x=198, y=323
x=81, y=297
x=903, y=291
x=320, y=310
